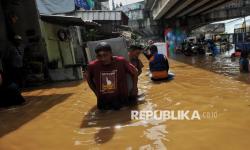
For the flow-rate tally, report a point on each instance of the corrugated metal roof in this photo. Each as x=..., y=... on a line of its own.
x=99, y=15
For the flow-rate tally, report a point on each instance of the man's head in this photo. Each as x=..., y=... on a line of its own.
x=150, y=42
x=17, y=40
x=153, y=49
x=104, y=52
x=135, y=50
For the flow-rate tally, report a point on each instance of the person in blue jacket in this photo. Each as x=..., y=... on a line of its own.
x=158, y=65
x=244, y=62
x=212, y=47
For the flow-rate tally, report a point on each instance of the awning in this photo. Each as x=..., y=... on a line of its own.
x=49, y=7
x=67, y=20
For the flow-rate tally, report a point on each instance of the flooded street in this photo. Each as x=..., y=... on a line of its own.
x=64, y=116
x=46, y=46
x=222, y=64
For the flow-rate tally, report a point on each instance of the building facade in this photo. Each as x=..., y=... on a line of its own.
x=21, y=18
x=141, y=21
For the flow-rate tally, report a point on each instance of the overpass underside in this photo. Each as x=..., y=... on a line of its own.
x=195, y=13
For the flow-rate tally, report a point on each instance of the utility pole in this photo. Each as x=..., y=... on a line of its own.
x=113, y=5
x=245, y=24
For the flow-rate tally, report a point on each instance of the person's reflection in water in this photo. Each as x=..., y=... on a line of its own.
x=106, y=122
x=104, y=135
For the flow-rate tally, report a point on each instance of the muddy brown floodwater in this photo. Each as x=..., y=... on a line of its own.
x=64, y=116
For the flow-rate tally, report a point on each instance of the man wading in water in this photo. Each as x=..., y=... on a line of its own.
x=107, y=78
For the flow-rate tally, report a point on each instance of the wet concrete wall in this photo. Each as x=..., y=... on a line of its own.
x=21, y=18
x=3, y=36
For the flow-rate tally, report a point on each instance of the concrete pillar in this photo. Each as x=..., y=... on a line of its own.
x=175, y=31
